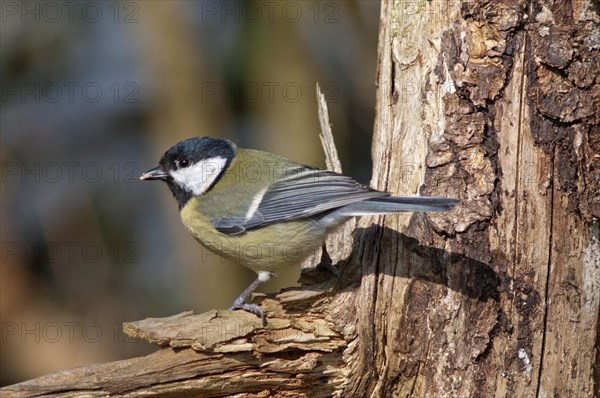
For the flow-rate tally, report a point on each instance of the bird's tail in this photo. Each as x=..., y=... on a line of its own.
x=397, y=204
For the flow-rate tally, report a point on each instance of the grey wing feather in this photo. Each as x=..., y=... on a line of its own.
x=309, y=193
x=224, y=227
x=238, y=225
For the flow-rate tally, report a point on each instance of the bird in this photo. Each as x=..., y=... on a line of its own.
x=264, y=211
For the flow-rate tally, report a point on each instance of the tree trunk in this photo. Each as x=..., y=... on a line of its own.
x=495, y=104
x=494, y=99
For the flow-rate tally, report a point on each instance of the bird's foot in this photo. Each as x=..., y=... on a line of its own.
x=253, y=308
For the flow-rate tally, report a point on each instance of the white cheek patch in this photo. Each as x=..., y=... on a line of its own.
x=198, y=177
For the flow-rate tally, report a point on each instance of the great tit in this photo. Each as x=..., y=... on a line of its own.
x=264, y=211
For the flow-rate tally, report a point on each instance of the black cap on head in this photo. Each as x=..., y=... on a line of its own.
x=193, y=150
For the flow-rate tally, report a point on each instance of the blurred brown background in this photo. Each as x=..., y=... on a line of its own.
x=92, y=93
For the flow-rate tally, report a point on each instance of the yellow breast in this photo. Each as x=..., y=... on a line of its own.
x=264, y=249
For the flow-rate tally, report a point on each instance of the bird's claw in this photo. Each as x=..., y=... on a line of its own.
x=253, y=308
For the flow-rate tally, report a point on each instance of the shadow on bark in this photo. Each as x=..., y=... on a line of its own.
x=456, y=271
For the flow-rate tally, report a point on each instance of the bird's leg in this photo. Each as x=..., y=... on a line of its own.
x=240, y=302
x=245, y=294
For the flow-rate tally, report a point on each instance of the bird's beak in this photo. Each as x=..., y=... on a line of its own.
x=154, y=174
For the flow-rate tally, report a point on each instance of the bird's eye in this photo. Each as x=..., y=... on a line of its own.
x=184, y=163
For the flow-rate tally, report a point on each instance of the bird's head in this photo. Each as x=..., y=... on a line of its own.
x=192, y=166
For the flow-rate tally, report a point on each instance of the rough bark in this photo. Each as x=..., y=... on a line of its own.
x=494, y=103
x=494, y=98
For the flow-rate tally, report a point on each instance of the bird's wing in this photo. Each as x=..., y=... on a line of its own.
x=304, y=194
